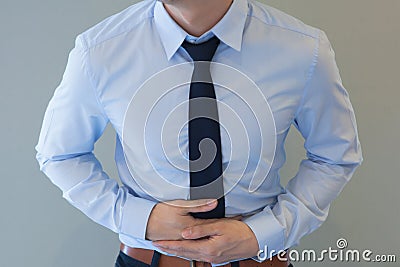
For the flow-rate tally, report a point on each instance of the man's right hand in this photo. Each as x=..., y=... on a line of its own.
x=168, y=219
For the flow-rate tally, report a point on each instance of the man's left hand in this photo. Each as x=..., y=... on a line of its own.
x=215, y=242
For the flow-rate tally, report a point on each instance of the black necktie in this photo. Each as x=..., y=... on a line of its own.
x=204, y=131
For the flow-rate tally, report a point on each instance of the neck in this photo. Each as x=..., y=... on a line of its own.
x=197, y=16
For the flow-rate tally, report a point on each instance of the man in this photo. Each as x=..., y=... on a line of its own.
x=292, y=68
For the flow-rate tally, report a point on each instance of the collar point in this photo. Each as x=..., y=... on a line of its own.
x=237, y=47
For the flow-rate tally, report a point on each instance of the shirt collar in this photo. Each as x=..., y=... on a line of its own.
x=229, y=29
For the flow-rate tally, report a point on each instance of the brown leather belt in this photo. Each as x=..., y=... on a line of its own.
x=146, y=256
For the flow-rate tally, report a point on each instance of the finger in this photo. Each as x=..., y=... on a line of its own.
x=183, y=247
x=189, y=204
x=189, y=255
x=198, y=221
x=202, y=230
x=200, y=205
x=208, y=221
x=193, y=249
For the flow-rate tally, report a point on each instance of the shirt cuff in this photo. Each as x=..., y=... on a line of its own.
x=135, y=215
x=269, y=233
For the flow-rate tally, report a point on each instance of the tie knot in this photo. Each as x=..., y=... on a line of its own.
x=203, y=51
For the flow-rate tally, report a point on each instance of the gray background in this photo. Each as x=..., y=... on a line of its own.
x=39, y=228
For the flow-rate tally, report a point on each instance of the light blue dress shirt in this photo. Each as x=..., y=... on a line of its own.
x=294, y=68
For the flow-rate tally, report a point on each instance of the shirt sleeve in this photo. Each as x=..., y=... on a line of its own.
x=326, y=120
x=73, y=122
